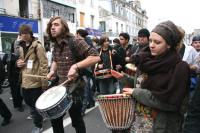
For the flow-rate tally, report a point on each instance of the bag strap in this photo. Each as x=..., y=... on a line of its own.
x=110, y=57
x=73, y=49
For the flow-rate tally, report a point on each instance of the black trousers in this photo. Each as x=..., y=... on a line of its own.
x=77, y=119
x=16, y=93
x=4, y=111
x=30, y=98
x=192, y=121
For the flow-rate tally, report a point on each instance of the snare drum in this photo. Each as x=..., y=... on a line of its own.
x=117, y=110
x=54, y=102
x=102, y=74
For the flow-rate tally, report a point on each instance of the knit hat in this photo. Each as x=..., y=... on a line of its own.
x=25, y=29
x=143, y=33
x=169, y=31
x=196, y=38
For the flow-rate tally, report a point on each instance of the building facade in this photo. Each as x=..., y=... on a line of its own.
x=63, y=8
x=88, y=16
x=118, y=16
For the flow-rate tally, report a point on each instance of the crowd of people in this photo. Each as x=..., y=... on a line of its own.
x=165, y=84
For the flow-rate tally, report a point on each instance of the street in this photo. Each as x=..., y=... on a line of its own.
x=20, y=124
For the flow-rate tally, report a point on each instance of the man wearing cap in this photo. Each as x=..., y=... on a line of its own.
x=32, y=61
x=192, y=124
x=196, y=42
x=143, y=40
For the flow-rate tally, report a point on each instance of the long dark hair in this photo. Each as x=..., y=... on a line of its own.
x=65, y=29
x=103, y=39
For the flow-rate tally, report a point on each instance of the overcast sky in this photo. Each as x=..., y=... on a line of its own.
x=185, y=13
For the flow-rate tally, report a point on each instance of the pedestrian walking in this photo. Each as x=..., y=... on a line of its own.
x=5, y=113
x=32, y=61
x=13, y=78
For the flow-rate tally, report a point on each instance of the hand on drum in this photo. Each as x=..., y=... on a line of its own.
x=127, y=59
x=116, y=74
x=118, y=67
x=100, y=66
x=128, y=91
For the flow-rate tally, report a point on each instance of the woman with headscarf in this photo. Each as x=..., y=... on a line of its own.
x=163, y=83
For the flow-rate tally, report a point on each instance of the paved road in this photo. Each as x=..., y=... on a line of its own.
x=19, y=123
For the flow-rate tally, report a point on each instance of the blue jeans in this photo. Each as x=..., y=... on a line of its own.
x=88, y=92
x=107, y=86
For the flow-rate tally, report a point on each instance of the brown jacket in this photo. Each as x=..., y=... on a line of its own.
x=36, y=54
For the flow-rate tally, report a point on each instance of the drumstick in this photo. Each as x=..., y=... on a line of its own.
x=36, y=76
x=66, y=81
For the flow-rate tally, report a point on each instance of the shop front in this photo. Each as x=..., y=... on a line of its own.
x=9, y=30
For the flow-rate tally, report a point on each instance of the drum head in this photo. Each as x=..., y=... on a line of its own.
x=50, y=97
x=130, y=66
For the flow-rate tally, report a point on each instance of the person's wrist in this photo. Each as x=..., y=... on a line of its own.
x=52, y=71
x=77, y=67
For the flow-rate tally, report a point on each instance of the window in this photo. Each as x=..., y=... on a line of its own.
x=122, y=27
x=2, y=8
x=82, y=19
x=23, y=8
x=92, y=2
x=71, y=17
x=82, y=1
x=126, y=28
x=92, y=21
x=54, y=12
x=1, y=4
x=103, y=26
x=113, y=8
x=117, y=29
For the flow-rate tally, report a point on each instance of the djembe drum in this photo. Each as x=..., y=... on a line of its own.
x=117, y=110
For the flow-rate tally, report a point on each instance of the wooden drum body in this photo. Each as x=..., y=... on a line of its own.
x=117, y=110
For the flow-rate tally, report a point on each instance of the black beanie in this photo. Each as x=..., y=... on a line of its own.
x=143, y=33
x=169, y=31
x=196, y=38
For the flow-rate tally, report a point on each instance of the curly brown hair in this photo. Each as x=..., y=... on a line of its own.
x=65, y=29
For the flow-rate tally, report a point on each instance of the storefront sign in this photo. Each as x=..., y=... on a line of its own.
x=11, y=24
x=93, y=32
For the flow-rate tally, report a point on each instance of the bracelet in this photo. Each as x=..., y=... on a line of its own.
x=77, y=68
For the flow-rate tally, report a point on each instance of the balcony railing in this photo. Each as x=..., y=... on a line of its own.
x=2, y=11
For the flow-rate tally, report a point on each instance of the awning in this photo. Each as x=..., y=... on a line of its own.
x=93, y=32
